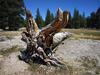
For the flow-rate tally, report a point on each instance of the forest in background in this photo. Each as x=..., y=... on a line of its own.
x=12, y=12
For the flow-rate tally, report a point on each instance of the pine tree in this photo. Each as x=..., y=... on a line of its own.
x=49, y=17
x=76, y=19
x=39, y=19
x=52, y=17
x=88, y=22
x=82, y=21
x=98, y=18
x=93, y=21
x=11, y=12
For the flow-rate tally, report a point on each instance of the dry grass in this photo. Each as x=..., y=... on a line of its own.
x=5, y=52
x=79, y=33
x=84, y=33
x=10, y=33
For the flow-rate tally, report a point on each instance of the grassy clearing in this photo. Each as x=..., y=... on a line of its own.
x=79, y=33
x=10, y=33
x=84, y=33
x=9, y=50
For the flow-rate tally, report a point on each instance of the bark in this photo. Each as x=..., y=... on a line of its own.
x=40, y=43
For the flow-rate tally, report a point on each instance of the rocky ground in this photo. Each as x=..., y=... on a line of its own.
x=79, y=56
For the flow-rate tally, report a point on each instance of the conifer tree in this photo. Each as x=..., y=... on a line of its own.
x=76, y=19
x=39, y=19
x=11, y=12
x=49, y=17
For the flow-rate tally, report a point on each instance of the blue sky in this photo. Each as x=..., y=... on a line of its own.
x=86, y=6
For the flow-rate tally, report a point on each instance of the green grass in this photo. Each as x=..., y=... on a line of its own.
x=84, y=33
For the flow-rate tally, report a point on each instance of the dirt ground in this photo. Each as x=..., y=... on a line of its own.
x=79, y=56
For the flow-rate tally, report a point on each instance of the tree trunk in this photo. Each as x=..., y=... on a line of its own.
x=40, y=42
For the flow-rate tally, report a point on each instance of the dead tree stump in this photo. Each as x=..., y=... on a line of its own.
x=40, y=42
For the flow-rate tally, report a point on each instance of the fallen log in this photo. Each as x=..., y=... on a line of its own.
x=40, y=42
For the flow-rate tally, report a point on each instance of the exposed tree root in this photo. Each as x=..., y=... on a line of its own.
x=40, y=43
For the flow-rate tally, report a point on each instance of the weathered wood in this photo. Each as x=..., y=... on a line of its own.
x=39, y=43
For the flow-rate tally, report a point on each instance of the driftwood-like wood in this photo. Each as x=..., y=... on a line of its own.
x=40, y=42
